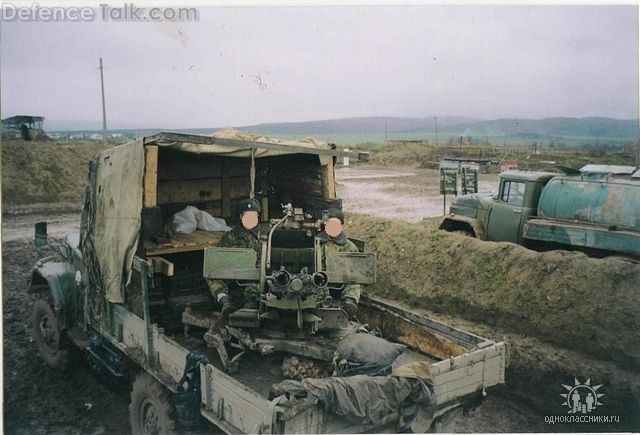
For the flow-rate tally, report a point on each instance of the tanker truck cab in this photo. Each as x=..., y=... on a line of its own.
x=516, y=201
x=501, y=217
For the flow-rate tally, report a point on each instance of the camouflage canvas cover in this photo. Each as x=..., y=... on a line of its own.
x=113, y=206
x=112, y=217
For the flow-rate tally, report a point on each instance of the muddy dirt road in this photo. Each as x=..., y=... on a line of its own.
x=409, y=194
x=40, y=400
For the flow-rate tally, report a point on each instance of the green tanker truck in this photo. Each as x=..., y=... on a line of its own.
x=594, y=213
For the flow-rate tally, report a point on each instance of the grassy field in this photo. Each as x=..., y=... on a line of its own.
x=450, y=138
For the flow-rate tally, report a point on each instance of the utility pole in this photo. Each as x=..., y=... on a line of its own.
x=385, y=131
x=104, y=110
x=435, y=118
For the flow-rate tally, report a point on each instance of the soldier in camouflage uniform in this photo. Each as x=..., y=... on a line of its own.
x=334, y=239
x=241, y=236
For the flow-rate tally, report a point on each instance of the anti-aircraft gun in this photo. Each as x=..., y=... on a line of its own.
x=127, y=294
x=298, y=282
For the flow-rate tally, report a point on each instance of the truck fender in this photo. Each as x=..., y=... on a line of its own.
x=59, y=279
x=457, y=222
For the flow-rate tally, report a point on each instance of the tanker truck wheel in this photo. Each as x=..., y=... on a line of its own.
x=150, y=410
x=48, y=337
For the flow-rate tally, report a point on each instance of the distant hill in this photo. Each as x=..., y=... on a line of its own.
x=372, y=129
x=555, y=127
x=535, y=128
x=373, y=124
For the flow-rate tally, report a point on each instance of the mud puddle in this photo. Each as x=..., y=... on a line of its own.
x=22, y=227
x=395, y=193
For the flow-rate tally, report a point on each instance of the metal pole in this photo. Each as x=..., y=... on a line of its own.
x=436, y=121
x=444, y=202
x=104, y=110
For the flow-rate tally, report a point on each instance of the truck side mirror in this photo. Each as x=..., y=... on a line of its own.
x=41, y=234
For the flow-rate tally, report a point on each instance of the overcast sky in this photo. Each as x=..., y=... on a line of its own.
x=326, y=62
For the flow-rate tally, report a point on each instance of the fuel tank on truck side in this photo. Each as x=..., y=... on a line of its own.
x=590, y=212
x=597, y=200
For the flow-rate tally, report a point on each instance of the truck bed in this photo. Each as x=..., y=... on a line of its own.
x=462, y=366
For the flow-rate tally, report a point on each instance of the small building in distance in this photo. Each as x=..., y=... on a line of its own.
x=25, y=127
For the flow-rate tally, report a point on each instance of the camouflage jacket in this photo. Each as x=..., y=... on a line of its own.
x=339, y=244
x=239, y=237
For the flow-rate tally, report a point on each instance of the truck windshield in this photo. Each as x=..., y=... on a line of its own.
x=513, y=193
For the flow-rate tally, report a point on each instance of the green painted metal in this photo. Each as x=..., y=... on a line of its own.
x=592, y=212
x=144, y=268
x=231, y=263
x=351, y=267
x=61, y=281
x=607, y=202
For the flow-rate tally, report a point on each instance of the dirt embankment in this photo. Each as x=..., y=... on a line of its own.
x=35, y=172
x=582, y=303
x=563, y=313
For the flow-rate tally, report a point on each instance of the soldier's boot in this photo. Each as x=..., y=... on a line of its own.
x=225, y=306
x=349, y=306
x=251, y=302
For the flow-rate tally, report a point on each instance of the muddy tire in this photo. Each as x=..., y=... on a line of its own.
x=48, y=337
x=150, y=409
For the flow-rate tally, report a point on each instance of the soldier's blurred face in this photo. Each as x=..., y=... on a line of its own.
x=333, y=227
x=249, y=219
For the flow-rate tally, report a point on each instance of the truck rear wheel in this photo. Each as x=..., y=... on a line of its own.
x=48, y=337
x=150, y=410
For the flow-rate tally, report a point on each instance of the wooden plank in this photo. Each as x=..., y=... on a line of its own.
x=214, y=211
x=236, y=166
x=328, y=181
x=185, y=243
x=463, y=338
x=234, y=402
x=456, y=374
x=226, y=193
x=474, y=357
x=162, y=266
x=172, y=356
x=189, y=191
x=295, y=181
x=413, y=335
x=301, y=187
x=240, y=187
x=466, y=385
x=188, y=169
x=150, y=176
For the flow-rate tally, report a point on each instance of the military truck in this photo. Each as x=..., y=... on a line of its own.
x=594, y=213
x=132, y=295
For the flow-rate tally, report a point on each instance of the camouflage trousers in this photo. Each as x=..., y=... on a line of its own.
x=239, y=295
x=349, y=291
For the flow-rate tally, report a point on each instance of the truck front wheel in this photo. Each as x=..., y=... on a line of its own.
x=150, y=410
x=48, y=337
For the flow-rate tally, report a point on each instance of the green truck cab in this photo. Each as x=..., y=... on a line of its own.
x=594, y=213
x=133, y=296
